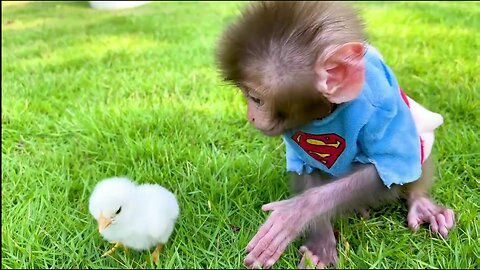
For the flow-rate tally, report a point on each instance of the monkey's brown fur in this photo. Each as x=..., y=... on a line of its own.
x=282, y=40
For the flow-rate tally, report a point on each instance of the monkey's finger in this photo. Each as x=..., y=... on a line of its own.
x=442, y=225
x=269, y=244
x=433, y=224
x=255, y=265
x=260, y=234
x=273, y=205
x=413, y=222
x=255, y=247
x=449, y=218
x=281, y=248
x=267, y=256
x=413, y=225
x=251, y=262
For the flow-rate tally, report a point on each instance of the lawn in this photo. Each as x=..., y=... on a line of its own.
x=88, y=94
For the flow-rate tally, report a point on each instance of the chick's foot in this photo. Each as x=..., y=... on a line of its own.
x=113, y=249
x=156, y=253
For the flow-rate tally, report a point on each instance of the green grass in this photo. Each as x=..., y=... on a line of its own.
x=88, y=95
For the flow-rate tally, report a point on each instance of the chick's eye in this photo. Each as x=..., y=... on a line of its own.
x=118, y=211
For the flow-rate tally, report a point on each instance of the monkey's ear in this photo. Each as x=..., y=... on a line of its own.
x=340, y=72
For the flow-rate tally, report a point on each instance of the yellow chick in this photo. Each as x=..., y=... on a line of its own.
x=134, y=216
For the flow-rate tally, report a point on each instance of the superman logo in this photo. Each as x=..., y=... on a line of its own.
x=325, y=148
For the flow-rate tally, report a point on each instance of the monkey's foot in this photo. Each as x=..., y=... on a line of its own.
x=319, y=254
x=110, y=252
x=423, y=210
x=156, y=253
x=364, y=212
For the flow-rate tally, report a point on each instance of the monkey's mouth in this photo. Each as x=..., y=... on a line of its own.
x=278, y=127
x=274, y=128
x=272, y=132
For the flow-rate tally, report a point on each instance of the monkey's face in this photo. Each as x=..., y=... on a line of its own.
x=273, y=111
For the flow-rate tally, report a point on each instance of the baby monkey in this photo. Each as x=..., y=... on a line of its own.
x=353, y=138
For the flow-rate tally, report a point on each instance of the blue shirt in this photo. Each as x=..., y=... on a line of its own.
x=376, y=127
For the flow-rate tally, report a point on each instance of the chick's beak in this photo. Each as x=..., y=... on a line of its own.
x=103, y=222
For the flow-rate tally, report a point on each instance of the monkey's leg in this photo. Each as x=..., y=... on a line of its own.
x=156, y=253
x=320, y=247
x=421, y=208
x=364, y=212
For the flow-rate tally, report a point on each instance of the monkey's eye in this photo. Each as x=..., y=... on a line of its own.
x=118, y=211
x=254, y=99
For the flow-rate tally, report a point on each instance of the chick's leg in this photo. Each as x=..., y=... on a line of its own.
x=113, y=249
x=156, y=253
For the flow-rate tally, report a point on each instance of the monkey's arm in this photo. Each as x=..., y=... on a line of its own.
x=289, y=217
x=360, y=189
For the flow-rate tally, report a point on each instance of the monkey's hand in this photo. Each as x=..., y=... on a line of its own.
x=284, y=224
x=423, y=210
